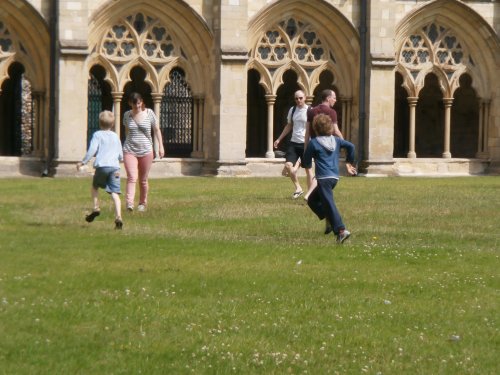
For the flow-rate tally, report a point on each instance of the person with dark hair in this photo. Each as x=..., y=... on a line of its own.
x=138, y=149
x=328, y=99
x=105, y=145
x=325, y=149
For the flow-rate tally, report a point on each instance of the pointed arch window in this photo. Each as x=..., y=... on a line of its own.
x=434, y=45
x=139, y=35
x=292, y=39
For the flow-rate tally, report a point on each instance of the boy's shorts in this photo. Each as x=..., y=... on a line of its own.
x=107, y=178
x=294, y=152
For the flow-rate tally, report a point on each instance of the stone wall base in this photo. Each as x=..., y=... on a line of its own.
x=257, y=167
x=426, y=167
x=20, y=166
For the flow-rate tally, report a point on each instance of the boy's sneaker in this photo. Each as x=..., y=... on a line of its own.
x=141, y=208
x=130, y=208
x=90, y=218
x=343, y=236
x=118, y=224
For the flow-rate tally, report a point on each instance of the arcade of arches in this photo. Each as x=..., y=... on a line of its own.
x=431, y=97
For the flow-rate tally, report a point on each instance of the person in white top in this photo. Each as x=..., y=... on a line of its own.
x=296, y=123
x=138, y=150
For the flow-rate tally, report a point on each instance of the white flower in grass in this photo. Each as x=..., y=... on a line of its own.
x=299, y=262
x=387, y=302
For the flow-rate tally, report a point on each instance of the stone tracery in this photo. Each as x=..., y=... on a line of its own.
x=138, y=35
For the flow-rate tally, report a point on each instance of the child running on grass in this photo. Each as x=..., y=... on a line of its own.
x=325, y=149
x=107, y=149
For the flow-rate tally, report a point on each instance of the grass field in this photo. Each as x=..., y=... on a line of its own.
x=231, y=276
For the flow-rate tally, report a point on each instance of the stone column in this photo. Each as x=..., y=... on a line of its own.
x=38, y=121
x=117, y=104
x=486, y=121
x=346, y=117
x=199, y=104
x=412, y=102
x=156, y=103
x=484, y=115
x=377, y=138
x=480, y=130
x=270, y=100
x=230, y=85
x=447, y=115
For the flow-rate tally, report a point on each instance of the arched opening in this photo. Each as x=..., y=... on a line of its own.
x=139, y=85
x=99, y=99
x=325, y=82
x=176, y=116
x=429, y=128
x=256, y=116
x=464, y=120
x=16, y=114
x=284, y=101
x=401, y=119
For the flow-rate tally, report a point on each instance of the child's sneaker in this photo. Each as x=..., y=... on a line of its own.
x=343, y=236
x=130, y=208
x=141, y=208
x=118, y=224
x=90, y=217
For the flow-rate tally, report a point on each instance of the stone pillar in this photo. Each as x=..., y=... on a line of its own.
x=482, y=142
x=157, y=103
x=117, y=104
x=346, y=117
x=38, y=103
x=270, y=100
x=72, y=85
x=199, y=109
x=72, y=110
x=412, y=102
x=447, y=115
x=231, y=52
x=380, y=129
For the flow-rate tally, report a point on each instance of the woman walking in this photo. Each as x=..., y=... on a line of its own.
x=138, y=150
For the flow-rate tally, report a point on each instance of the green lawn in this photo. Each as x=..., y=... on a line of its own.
x=231, y=276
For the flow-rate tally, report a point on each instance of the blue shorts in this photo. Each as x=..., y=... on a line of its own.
x=294, y=152
x=107, y=178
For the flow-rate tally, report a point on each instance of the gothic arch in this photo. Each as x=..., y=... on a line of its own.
x=271, y=32
x=111, y=73
x=265, y=77
x=28, y=35
x=167, y=47
x=479, y=43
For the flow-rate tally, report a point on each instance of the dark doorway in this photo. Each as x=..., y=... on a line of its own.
x=139, y=85
x=99, y=99
x=16, y=118
x=429, y=127
x=401, y=119
x=464, y=130
x=256, y=117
